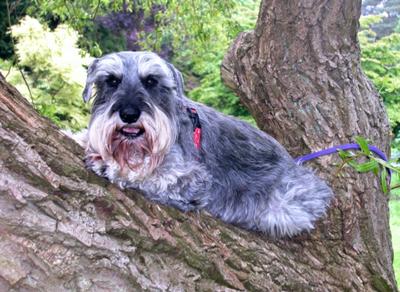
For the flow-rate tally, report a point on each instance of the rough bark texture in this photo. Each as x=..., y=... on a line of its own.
x=64, y=229
x=299, y=74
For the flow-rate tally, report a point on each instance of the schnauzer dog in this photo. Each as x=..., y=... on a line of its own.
x=145, y=134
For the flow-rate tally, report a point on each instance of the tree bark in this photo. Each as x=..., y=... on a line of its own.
x=299, y=75
x=64, y=229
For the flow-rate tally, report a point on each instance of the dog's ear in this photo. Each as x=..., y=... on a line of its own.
x=178, y=79
x=87, y=91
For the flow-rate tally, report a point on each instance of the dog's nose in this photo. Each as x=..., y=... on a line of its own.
x=129, y=115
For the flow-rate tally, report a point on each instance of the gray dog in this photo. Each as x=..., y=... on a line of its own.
x=145, y=134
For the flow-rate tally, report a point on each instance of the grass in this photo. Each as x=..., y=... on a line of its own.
x=395, y=181
x=394, y=206
x=395, y=229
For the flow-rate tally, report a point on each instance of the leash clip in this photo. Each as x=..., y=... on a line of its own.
x=194, y=117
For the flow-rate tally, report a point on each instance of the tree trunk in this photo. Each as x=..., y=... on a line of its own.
x=299, y=74
x=63, y=228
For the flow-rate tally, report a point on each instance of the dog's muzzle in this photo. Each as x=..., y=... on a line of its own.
x=130, y=115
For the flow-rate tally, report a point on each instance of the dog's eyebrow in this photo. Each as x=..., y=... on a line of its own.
x=111, y=74
x=111, y=65
x=151, y=75
x=158, y=71
x=152, y=69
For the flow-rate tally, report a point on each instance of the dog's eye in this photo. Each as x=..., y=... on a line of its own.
x=150, y=81
x=113, y=81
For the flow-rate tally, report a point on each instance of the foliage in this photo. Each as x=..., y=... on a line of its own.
x=133, y=17
x=129, y=26
x=14, y=77
x=178, y=16
x=75, y=13
x=366, y=160
x=395, y=191
x=389, y=8
x=105, y=25
x=380, y=61
x=200, y=54
x=395, y=182
x=53, y=65
x=9, y=15
x=366, y=22
x=197, y=46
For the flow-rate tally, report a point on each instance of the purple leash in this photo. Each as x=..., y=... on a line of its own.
x=344, y=147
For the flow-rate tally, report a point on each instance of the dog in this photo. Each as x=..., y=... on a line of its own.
x=145, y=134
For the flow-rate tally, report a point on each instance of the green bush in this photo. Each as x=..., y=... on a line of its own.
x=54, y=68
x=380, y=62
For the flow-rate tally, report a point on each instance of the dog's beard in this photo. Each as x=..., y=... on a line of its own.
x=139, y=147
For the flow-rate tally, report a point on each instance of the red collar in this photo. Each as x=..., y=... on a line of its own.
x=194, y=117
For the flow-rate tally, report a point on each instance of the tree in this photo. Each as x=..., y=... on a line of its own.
x=63, y=228
x=299, y=74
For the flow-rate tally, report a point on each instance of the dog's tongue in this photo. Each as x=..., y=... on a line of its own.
x=130, y=130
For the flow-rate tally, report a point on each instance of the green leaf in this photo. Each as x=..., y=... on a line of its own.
x=384, y=181
x=363, y=145
x=376, y=171
x=353, y=164
x=344, y=154
x=367, y=166
x=386, y=164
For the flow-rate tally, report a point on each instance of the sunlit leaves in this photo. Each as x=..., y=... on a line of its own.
x=380, y=62
x=56, y=73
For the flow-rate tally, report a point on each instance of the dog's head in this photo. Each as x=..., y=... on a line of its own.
x=134, y=107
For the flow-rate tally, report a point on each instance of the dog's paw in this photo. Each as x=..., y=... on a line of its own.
x=95, y=163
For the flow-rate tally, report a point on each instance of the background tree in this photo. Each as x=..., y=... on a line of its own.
x=63, y=228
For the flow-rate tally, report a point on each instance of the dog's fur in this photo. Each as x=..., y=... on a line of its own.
x=240, y=175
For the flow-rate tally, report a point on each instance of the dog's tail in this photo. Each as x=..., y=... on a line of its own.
x=293, y=207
